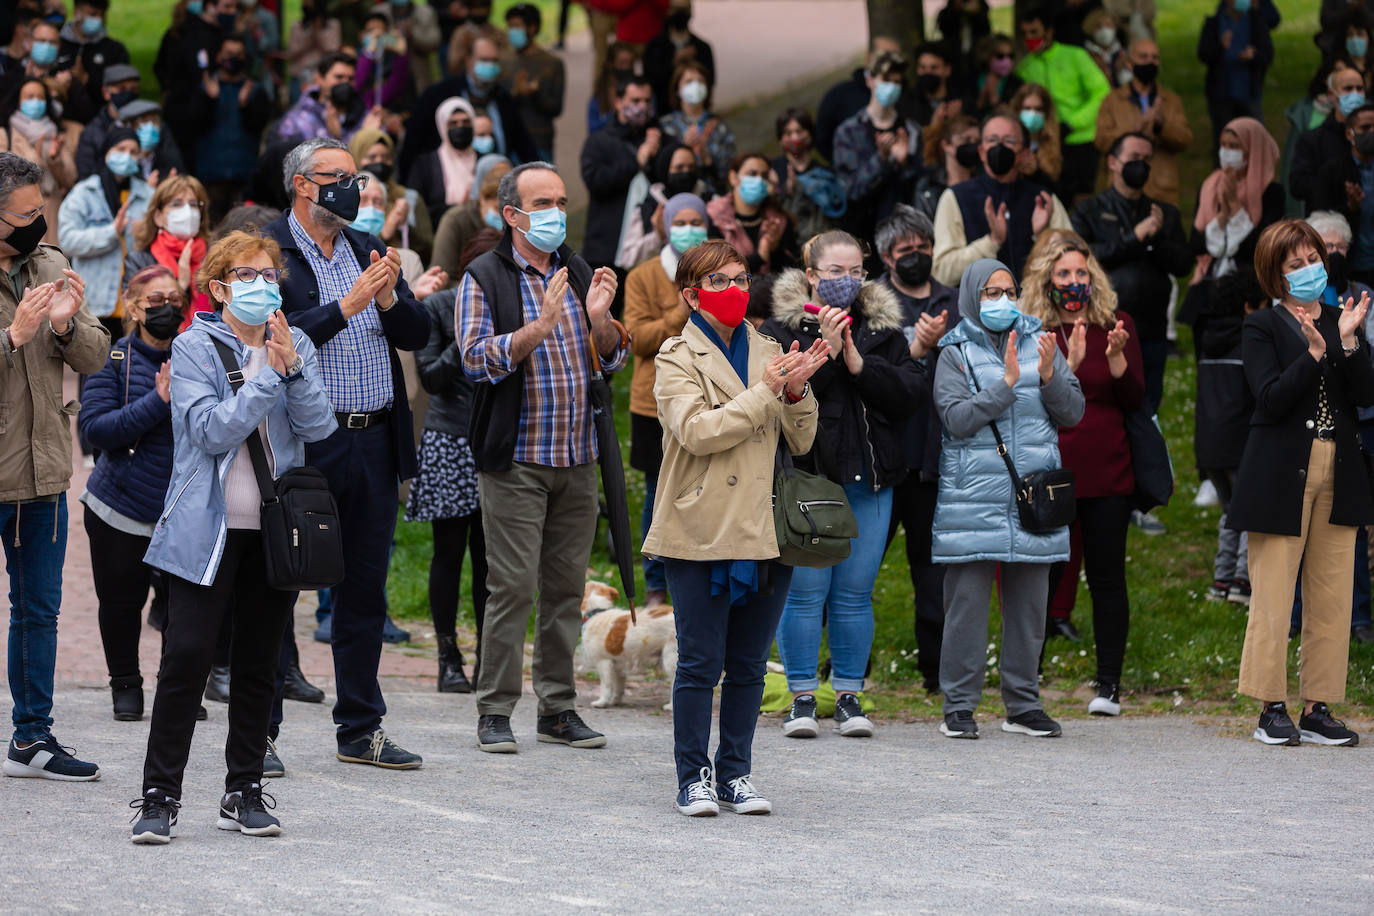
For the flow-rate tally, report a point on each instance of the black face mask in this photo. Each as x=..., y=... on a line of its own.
x=1364, y=143
x=120, y=99
x=460, y=138
x=966, y=154
x=680, y=183
x=381, y=169
x=343, y=95
x=342, y=202
x=1135, y=174
x=1336, y=269
x=162, y=322
x=24, y=239
x=227, y=21
x=232, y=65
x=913, y=269
x=1146, y=73
x=928, y=84
x=679, y=19
x=1001, y=159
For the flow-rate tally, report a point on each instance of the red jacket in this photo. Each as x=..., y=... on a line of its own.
x=640, y=20
x=1096, y=450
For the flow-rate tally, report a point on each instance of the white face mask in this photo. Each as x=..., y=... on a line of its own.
x=693, y=92
x=184, y=221
x=1231, y=158
x=1104, y=37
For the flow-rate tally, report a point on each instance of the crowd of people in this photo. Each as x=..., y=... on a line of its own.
x=342, y=246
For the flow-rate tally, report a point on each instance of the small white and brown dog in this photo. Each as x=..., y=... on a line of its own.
x=614, y=646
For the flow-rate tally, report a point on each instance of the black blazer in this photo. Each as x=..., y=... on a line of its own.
x=405, y=324
x=1273, y=470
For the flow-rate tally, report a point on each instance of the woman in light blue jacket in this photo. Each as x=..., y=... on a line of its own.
x=95, y=224
x=207, y=537
x=996, y=365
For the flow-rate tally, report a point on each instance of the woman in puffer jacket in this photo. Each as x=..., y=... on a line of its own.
x=868, y=387
x=996, y=365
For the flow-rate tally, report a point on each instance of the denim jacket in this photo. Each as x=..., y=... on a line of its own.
x=86, y=234
x=209, y=423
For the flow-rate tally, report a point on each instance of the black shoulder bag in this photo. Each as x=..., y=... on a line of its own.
x=1045, y=500
x=301, y=541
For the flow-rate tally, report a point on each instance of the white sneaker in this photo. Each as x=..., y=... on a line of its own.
x=1206, y=495
x=699, y=798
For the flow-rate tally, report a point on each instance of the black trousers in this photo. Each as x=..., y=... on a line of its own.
x=194, y=614
x=122, y=582
x=454, y=537
x=1103, y=522
x=913, y=506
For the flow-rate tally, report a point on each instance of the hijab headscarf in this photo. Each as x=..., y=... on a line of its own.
x=971, y=295
x=363, y=141
x=459, y=166
x=668, y=256
x=1261, y=165
x=115, y=187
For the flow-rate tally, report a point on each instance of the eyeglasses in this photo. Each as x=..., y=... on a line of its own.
x=24, y=218
x=989, y=293
x=158, y=300
x=249, y=274
x=835, y=273
x=718, y=283
x=341, y=178
x=1009, y=140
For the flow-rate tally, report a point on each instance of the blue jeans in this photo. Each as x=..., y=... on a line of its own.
x=654, y=577
x=35, y=536
x=839, y=600
x=713, y=637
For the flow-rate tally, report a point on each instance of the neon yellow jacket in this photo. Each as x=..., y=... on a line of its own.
x=1075, y=83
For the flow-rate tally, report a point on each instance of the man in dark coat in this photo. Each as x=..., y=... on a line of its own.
x=611, y=159
x=1345, y=184
x=85, y=37
x=1326, y=141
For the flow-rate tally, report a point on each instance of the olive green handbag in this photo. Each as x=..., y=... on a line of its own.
x=811, y=515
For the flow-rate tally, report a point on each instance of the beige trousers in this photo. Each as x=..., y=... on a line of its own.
x=1329, y=552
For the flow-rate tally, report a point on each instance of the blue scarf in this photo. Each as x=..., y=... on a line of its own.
x=740, y=578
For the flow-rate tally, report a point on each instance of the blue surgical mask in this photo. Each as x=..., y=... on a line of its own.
x=254, y=301
x=519, y=38
x=1349, y=102
x=195, y=7
x=486, y=71
x=753, y=190
x=886, y=94
x=1033, y=120
x=121, y=163
x=494, y=220
x=92, y=25
x=1306, y=284
x=839, y=292
x=1355, y=46
x=1242, y=6
x=683, y=238
x=548, y=228
x=369, y=220
x=148, y=134
x=33, y=109
x=998, y=314
x=44, y=53
x=483, y=144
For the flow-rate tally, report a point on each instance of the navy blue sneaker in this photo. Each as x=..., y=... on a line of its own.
x=156, y=819
x=378, y=750
x=699, y=798
x=392, y=633
x=738, y=795
x=46, y=759
x=272, y=767
x=246, y=812
x=325, y=631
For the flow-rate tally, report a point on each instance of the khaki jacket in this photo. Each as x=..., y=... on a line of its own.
x=715, y=490
x=1120, y=114
x=654, y=312
x=35, y=426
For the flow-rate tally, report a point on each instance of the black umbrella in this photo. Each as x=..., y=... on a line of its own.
x=613, y=478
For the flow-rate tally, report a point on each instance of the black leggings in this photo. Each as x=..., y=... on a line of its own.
x=1103, y=522
x=913, y=507
x=122, y=581
x=454, y=537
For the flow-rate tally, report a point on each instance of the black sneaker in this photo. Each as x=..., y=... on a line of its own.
x=379, y=751
x=272, y=767
x=494, y=735
x=850, y=720
x=568, y=728
x=392, y=633
x=155, y=820
x=1033, y=722
x=246, y=812
x=1275, y=727
x=1320, y=727
x=1108, y=700
x=126, y=694
x=801, y=718
x=46, y=759
x=959, y=724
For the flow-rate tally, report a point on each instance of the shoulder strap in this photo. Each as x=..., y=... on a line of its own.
x=234, y=374
x=996, y=433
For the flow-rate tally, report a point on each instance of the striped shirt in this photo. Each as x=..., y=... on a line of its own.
x=555, y=416
x=355, y=364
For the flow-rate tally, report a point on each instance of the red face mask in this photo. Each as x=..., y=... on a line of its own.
x=1034, y=44
x=727, y=306
x=796, y=145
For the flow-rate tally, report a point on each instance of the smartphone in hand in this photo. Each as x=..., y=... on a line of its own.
x=815, y=309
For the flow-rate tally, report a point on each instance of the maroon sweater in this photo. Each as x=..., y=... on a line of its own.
x=1096, y=450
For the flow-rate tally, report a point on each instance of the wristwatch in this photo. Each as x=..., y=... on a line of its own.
x=294, y=370
x=806, y=389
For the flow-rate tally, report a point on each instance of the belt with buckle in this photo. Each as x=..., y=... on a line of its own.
x=1326, y=433
x=362, y=420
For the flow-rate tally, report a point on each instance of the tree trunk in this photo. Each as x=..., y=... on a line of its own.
x=899, y=19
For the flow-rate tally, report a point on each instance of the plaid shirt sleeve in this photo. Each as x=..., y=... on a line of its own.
x=618, y=359
x=486, y=356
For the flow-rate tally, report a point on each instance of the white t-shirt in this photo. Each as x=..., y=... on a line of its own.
x=242, y=496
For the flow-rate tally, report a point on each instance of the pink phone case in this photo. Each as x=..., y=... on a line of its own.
x=815, y=309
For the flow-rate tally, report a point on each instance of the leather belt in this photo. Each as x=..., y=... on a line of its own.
x=362, y=420
x=1326, y=433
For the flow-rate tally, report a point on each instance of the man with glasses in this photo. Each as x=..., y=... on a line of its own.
x=43, y=326
x=344, y=288
x=532, y=322
x=997, y=214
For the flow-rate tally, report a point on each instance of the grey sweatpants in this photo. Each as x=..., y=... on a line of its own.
x=964, y=655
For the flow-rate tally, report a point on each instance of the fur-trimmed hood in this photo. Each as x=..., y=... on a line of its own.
x=878, y=305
